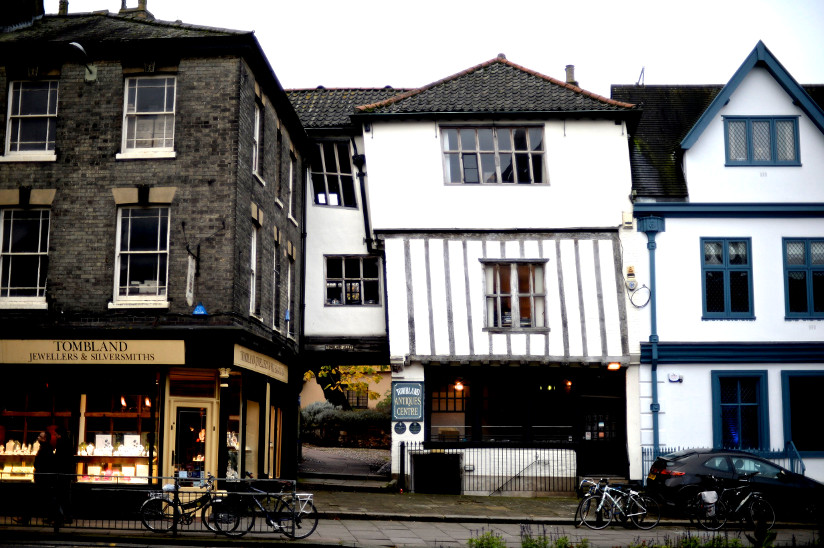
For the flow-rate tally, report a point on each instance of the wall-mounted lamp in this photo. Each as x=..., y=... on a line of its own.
x=147, y=402
x=123, y=401
x=91, y=70
x=459, y=386
x=613, y=366
x=224, y=376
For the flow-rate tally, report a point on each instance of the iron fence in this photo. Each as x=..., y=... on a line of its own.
x=478, y=469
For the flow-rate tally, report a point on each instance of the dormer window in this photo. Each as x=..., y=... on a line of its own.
x=761, y=141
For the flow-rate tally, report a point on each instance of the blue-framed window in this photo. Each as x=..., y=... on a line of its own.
x=740, y=410
x=726, y=270
x=761, y=141
x=804, y=277
x=800, y=393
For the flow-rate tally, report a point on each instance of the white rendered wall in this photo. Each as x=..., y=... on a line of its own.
x=678, y=278
x=586, y=163
x=710, y=181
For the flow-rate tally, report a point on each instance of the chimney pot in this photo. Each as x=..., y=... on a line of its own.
x=63, y=7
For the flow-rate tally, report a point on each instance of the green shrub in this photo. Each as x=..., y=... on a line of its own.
x=489, y=539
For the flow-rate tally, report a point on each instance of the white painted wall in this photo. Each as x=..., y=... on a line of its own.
x=587, y=165
x=710, y=181
x=678, y=275
x=335, y=231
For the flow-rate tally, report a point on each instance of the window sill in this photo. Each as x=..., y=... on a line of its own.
x=359, y=305
x=25, y=157
x=139, y=304
x=750, y=164
x=10, y=304
x=145, y=155
x=803, y=318
x=720, y=319
x=278, y=203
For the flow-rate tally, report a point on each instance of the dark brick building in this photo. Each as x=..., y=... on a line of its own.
x=151, y=215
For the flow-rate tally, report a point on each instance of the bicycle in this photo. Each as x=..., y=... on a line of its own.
x=603, y=503
x=163, y=510
x=287, y=512
x=713, y=507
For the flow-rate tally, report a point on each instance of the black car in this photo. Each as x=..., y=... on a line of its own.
x=676, y=476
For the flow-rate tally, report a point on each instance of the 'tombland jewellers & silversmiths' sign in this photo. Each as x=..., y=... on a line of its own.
x=87, y=351
x=255, y=361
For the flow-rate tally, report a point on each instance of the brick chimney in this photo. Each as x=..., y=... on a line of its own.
x=20, y=13
x=140, y=11
x=570, y=75
x=63, y=8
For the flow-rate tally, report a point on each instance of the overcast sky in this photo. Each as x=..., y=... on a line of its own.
x=371, y=43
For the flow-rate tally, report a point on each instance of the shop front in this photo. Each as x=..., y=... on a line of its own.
x=139, y=409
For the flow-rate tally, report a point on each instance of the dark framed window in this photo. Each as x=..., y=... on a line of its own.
x=492, y=155
x=804, y=277
x=24, y=253
x=515, y=295
x=357, y=399
x=761, y=140
x=257, y=140
x=142, y=258
x=32, y=120
x=740, y=409
x=352, y=280
x=726, y=269
x=332, y=181
x=800, y=391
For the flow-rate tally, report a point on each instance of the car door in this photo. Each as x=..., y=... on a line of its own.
x=766, y=479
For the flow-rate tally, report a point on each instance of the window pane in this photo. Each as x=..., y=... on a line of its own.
x=536, y=138
x=468, y=139
x=524, y=171
x=504, y=278
x=485, y=139
x=748, y=390
x=352, y=268
x=713, y=253
x=519, y=136
x=333, y=190
x=348, y=189
x=151, y=95
x=453, y=168
x=739, y=291
x=804, y=404
x=714, y=287
x=450, y=139
x=344, y=161
x=785, y=140
x=334, y=292
x=507, y=173
x=506, y=312
x=334, y=267
x=488, y=168
x=797, y=291
x=737, y=140
x=738, y=253
x=319, y=188
x=370, y=268
x=538, y=168
x=525, y=310
x=817, y=252
x=761, y=147
x=795, y=253
x=730, y=426
x=818, y=291
x=470, y=164
x=353, y=292
x=749, y=427
x=370, y=292
x=330, y=165
x=504, y=140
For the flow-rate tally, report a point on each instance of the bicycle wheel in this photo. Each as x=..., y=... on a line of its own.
x=159, y=515
x=305, y=517
x=644, y=512
x=712, y=519
x=232, y=519
x=592, y=516
x=761, y=514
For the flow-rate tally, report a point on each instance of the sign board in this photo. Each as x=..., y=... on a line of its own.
x=261, y=363
x=407, y=401
x=86, y=351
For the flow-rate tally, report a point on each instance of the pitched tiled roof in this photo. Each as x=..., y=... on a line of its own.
x=667, y=115
x=496, y=86
x=321, y=108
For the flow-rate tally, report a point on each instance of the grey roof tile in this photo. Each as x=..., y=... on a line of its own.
x=320, y=108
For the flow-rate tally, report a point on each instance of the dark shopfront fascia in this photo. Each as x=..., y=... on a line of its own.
x=583, y=407
x=129, y=419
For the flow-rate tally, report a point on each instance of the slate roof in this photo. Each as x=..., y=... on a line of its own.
x=668, y=113
x=496, y=86
x=321, y=108
x=111, y=27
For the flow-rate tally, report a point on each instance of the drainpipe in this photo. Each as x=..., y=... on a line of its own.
x=651, y=226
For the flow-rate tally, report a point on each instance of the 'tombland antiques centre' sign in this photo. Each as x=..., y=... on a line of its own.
x=407, y=401
x=89, y=351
